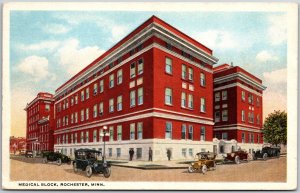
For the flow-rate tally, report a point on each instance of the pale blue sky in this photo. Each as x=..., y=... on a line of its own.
x=48, y=47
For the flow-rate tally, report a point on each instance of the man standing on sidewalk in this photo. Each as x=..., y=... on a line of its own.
x=169, y=154
x=150, y=154
x=131, y=152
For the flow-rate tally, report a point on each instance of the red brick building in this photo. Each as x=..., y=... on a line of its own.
x=17, y=144
x=238, y=106
x=40, y=119
x=152, y=89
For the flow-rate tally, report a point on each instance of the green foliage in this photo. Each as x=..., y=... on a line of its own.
x=275, y=128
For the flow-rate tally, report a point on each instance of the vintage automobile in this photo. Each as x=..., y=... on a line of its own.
x=29, y=154
x=204, y=161
x=55, y=157
x=266, y=152
x=237, y=156
x=91, y=161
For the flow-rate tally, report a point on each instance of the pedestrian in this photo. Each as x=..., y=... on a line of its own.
x=150, y=154
x=131, y=153
x=169, y=154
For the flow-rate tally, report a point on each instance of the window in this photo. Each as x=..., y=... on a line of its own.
x=72, y=101
x=119, y=76
x=111, y=80
x=87, y=136
x=225, y=115
x=140, y=96
x=82, y=115
x=202, y=134
x=243, y=96
x=101, y=87
x=110, y=152
x=168, y=134
x=168, y=96
x=72, y=118
x=119, y=132
x=76, y=99
x=191, y=153
x=76, y=117
x=82, y=95
x=250, y=117
x=217, y=116
x=47, y=107
x=258, y=138
x=95, y=88
x=191, y=131
x=81, y=137
x=95, y=111
x=183, y=131
x=202, y=79
x=169, y=46
x=191, y=101
x=217, y=96
x=101, y=109
x=119, y=103
x=140, y=130
x=99, y=135
x=225, y=135
x=72, y=139
x=243, y=115
x=132, y=98
x=183, y=152
x=224, y=95
x=95, y=136
x=250, y=98
x=87, y=93
x=191, y=74
x=67, y=120
x=118, y=152
x=203, y=105
x=183, y=71
x=257, y=102
x=75, y=138
x=251, y=138
x=258, y=119
x=168, y=67
x=87, y=113
x=183, y=99
x=132, y=131
x=243, y=138
x=111, y=105
x=140, y=66
x=132, y=70
x=111, y=133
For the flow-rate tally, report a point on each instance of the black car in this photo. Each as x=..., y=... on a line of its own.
x=267, y=152
x=87, y=160
x=55, y=157
x=29, y=154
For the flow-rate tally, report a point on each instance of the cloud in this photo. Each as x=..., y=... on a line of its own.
x=276, y=76
x=36, y=67
x=56, y=29
x=44, y=45
x=265, y=56
x=216, y=39
x=73, y=58
x=277, y=31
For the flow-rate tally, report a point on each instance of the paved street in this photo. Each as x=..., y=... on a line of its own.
x=272, y=170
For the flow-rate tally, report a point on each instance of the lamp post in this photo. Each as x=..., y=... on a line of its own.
x=104, y=134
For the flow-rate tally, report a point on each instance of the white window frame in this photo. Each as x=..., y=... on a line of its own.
x=168, y=131
x=119, y=103
x=132, y=131
x=111, y=105
x=224, y=95
x=140, y=130
x=132, y=98
x=111, y=80
x=140, y=96
x=140, y=66
x=120, y=76
x=168, y=65
x=202, y=105
x=168, y=96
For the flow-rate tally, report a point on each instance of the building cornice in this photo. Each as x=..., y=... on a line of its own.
x=241, y=76
x=239, y=85
x=238, y=128
x=36, y=99
x=237, y=125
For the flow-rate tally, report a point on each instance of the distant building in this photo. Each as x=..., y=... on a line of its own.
x=238, y=106
x=40, y=119
x=16, y=144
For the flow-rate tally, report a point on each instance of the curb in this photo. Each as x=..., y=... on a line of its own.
x=149, y=168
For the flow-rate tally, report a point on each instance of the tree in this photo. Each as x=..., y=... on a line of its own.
x=275, y=128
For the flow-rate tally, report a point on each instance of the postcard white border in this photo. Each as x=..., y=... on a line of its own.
x=290, y=8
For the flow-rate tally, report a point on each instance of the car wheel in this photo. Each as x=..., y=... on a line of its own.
x=75, y=167
x=237, y=160
x=214, y=166
x=278, y=155
x=191, y=169
x=204, y=169
x=254, y=157
x=45, y=160
x=88, y=171
x=265, y=156
x=107, y=172
x=58, y=162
